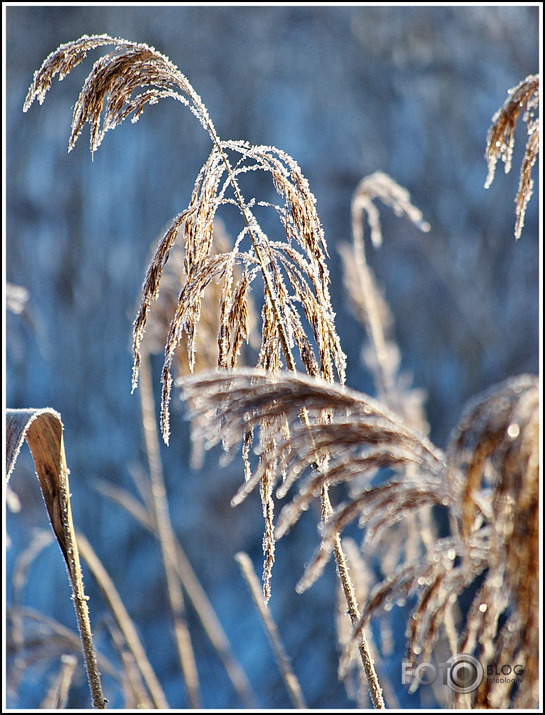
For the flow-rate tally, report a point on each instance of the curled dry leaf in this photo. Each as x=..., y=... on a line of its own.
x=43, y=431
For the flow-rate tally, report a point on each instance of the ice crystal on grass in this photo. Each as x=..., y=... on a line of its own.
x=501, y=140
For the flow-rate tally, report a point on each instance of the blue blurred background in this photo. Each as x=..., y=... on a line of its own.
x=346, y=91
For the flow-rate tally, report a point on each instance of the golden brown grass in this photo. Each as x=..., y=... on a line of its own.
x=314, y=433
x=501, y=140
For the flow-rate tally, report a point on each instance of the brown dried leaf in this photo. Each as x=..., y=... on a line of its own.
x=43, y=430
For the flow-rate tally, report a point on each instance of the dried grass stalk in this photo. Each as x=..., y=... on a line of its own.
x=165, y=534
x=233, y=403
x=299, y=260
x=352, y=675
x=57, y=695
x=381, y=356
x=290, y=679
x=124, y=622
x=32, y=637
x=135, y=695
x=501, y=141
x=197, y=595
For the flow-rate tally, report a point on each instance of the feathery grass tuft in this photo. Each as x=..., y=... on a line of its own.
x=361, y=435
x=488, y=480
x=299, y=258
x=501, y=140
x=293, y=269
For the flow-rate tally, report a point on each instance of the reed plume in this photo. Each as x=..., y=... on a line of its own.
x=360, y=436
x=487, y=480
x=293, y=269
x=501, y=141
x=493, y=551
x=299, y=259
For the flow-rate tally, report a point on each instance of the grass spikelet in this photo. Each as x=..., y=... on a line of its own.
x=501, y=141
x=205, y=355
x=377, y=509
x=436, y=578
x=381, y=186
x=111, y=83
